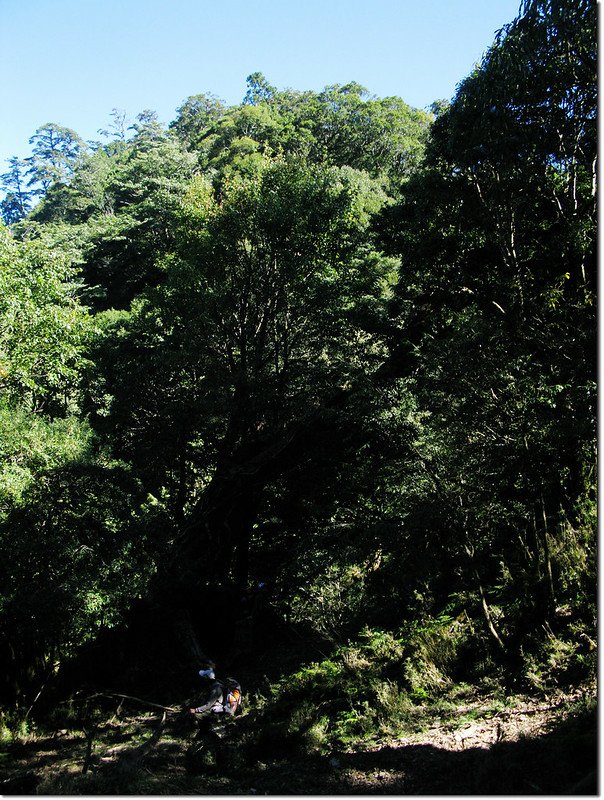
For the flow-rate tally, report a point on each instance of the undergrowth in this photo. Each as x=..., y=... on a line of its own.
x=378, y=686
x=386, y=685
x=382, y=687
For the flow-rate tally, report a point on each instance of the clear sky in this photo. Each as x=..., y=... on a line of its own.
x=72, y=61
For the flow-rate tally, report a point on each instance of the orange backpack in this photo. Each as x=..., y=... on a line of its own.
x=232, y=699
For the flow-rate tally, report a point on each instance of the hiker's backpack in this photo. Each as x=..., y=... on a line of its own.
x=232, y=699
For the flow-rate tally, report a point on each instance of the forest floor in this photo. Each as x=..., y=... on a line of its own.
x=530, y=746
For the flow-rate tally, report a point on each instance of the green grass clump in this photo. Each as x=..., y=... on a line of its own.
x=379, y=685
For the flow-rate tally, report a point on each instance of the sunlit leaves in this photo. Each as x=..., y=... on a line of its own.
x=43, y=328
x=56, y=150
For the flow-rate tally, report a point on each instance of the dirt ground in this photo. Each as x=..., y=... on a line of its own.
x=534, y=746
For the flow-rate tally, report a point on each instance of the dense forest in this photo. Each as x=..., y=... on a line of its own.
x=306, y=386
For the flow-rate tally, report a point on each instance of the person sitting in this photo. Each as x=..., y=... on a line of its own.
x=220, y=697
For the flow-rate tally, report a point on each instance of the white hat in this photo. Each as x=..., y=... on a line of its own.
x=207, y=673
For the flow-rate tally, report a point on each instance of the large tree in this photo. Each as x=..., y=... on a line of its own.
x=55, y=154
x=17, y=201
x=264, y=319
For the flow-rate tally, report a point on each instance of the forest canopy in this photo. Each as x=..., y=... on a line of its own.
x=319, y=342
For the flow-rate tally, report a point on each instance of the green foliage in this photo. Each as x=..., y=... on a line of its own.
x=257, y=317
x=560, y=660
x=195, y=116
x=347, y=345
x=433, y=652
x=69, y=516
x=116, y=212
x=31, y=444
x=379, y=685
x=498, y=341
x=56, y=151
x=339, y=126
x=328, y=603
x=17, y=202
x=43, y=328
x=80, y=540
x=14, y=728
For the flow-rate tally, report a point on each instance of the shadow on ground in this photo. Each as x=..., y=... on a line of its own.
x=552, y=764
x=563, y=761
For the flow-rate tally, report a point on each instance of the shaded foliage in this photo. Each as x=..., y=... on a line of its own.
x=322, y=341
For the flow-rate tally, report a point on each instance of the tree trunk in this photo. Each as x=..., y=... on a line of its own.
x=550, y=598
x=218, y=533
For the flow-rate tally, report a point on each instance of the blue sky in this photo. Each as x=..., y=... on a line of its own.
x=72, y=61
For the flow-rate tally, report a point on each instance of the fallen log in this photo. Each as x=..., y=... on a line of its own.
x=136, y=699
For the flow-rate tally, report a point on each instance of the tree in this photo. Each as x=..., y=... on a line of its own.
x=79, y=538
x=259, y=90
x=257, y=328
x=17, y=201
x=74, y=523
x=117, y=127
x=43, y=328
x=496, y=308
x=54, y=158
x=195, y=117
x=383, y=136
x=65, y=512
x=117, y=211
x=342, y=125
